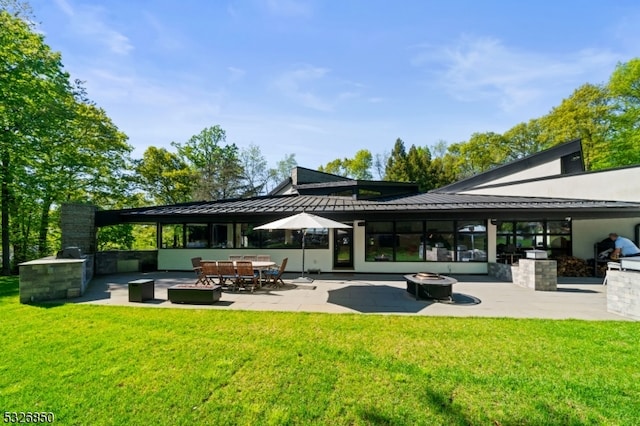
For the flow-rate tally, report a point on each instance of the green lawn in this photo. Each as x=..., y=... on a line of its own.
x=97, y=365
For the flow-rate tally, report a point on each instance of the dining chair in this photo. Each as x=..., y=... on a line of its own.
x=251, y=257
x=235, y=257
x=276, y=274
x=197, y=270
x=264, y=258
x=226, y=271
x=246, y=275
x=210, y=270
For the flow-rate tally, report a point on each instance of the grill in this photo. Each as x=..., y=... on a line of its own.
x=70, y=253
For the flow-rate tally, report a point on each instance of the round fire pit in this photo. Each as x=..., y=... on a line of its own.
x=430, y=285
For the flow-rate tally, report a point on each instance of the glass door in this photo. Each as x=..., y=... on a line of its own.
x=343, y=248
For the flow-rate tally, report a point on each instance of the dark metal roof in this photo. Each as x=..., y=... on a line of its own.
x=346, y=208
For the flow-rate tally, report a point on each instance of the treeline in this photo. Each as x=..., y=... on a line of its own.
x=57, y=146
x=605, y=117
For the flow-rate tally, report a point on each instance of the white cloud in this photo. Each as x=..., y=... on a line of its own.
x=479, y=69
x=65, y=7
x=296, y=84
x=236, y=73
x=88, y=22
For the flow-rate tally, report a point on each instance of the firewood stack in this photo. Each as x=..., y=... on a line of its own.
x=570, y=266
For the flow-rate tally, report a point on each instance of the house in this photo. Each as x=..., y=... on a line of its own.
x=545, y=201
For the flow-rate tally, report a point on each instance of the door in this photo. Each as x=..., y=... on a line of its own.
x=343, y=248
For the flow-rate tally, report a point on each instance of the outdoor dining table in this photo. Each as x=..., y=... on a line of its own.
x=258, y=265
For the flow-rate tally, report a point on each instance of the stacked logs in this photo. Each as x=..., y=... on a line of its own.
x=570, y=266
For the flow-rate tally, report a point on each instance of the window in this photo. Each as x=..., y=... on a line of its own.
x=380, y=241
x=221, y=235
x=197, y=235
x=515, y=237
x=431, y=241
x=409, y=239
x=472, y=242
x=172, y=235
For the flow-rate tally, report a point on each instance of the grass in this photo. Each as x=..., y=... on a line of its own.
x=98, y=365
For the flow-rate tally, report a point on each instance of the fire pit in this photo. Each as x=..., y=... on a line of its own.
x=430, y=285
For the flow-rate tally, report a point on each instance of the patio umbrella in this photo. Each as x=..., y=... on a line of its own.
x=303, y=221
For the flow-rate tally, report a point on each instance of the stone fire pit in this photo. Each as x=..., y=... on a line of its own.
x=429, y=285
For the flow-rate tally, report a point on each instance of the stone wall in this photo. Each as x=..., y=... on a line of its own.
x=50, y=279
x=623, y=293
x=536, y=274
x=501, y=271
x=77, y=224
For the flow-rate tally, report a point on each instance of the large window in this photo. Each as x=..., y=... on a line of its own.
x=515, y=237
x=172, y=235
x=197, y=235
x=433, y=240
x=237, y=236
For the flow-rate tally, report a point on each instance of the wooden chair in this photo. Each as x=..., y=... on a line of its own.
x=276, y=274
x=226, y=271
x=250, y=257
x=210, y=270
x=235, y=257
x=197, y=269
x=246, y=276
x=263, y=258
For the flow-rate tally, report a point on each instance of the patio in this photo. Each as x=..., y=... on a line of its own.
x=473, y=295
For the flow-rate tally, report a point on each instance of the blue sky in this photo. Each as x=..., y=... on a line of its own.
x=324, y=79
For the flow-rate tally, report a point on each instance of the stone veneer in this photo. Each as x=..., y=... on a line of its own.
x=50, y=278
x=537, y=274
x=501, y=271
x=77, y=223
x=623, y=293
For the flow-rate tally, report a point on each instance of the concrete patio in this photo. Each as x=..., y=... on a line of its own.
x=475, y=295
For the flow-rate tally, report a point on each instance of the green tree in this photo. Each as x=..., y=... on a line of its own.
x=34, y=90
x=584, y=115
x=524, y=139
x=482, y=152
x=165, y=177
x=357, y=167
x=419, y=168
x=396, y=169
x=624, y=86
x=217, y=165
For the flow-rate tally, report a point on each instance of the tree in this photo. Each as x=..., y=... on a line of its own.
x=379, y=164
x=584, y=115
x=165, y=177
x=218, y=166
x=34, y=90
x=525, y=139
x=419, y=168
x=357, y=167
x=482, y=152
x=624, y=87
x=397, y=163
x=283, y=168
x=255, y=173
